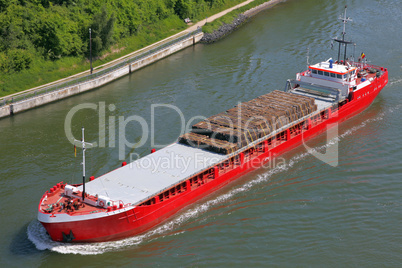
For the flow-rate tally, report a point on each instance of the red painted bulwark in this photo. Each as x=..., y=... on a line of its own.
x=120, y=224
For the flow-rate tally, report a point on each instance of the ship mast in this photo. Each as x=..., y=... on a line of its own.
x=344, y=20
x=83, y=144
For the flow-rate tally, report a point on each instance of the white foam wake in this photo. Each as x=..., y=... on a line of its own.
x=395, y=82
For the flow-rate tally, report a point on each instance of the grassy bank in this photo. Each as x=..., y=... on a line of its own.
x=45, y=71
x=228, y=18
x=42, y=71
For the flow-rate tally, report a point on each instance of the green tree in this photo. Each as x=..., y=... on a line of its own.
x=4, y=4
x=19, y=59
x=183, y=8
x=52, y=29
x=15, y=60
x=102, y=27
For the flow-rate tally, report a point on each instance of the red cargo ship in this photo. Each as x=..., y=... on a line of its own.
x=136, y=197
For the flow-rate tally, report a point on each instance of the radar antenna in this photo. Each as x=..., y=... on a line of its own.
x=344, y=20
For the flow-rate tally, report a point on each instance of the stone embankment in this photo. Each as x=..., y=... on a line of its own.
x=226, y=29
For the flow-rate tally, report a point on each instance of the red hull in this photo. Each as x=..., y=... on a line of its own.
x=143, y=218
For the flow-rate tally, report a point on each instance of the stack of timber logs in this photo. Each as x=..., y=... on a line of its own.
x=204, y=142
x=237, y=127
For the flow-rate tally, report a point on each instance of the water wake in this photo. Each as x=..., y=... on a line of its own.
x=395, y=82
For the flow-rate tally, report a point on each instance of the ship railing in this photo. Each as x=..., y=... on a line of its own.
x=228, y=156
x=363, y=65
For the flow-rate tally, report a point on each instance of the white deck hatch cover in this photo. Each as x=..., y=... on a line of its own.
x=149, y=175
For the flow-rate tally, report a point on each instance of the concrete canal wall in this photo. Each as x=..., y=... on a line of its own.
x=65, y=92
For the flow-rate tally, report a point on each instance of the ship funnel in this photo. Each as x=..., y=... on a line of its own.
x=330, y=63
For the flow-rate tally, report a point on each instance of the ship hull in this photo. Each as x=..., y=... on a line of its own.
x=117, y=225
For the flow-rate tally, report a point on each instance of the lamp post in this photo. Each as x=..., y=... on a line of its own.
x=90, y=49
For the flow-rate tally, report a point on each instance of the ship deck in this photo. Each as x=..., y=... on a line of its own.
x=152, y=174
x=322, y=102
x=167, y=167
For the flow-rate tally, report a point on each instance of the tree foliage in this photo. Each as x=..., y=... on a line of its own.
x=102, y=28
x=52, y=29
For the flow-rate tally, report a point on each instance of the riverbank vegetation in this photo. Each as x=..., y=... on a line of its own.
x=230, y=17
x=45, y=40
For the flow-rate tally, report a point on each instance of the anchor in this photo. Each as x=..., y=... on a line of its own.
x=68, y=238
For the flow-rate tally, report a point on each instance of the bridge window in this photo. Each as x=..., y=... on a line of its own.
x=314, y=71
x=326, y=73
x=320, y=72
x=339, y=76
x=333, y=75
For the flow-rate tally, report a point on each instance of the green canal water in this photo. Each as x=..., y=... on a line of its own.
x=301, y=212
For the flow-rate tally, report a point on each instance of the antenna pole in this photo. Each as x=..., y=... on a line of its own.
x=83, y=144
x=83, y=164
x=344, y=19
x=344, y=55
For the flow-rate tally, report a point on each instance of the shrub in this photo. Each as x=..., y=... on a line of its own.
x=15, y=60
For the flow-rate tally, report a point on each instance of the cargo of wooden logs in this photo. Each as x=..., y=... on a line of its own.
x=229, y=131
